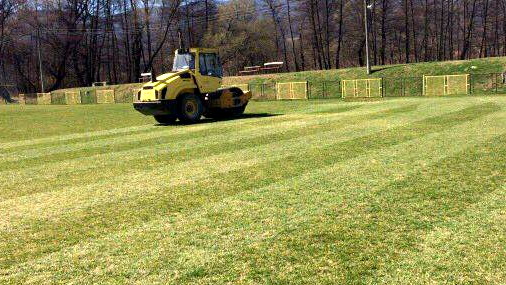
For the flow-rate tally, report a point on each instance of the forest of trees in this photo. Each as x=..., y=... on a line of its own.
x=82, y=41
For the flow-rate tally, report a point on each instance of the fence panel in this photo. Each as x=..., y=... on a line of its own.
x=73, y=98
x=393, y=87
x=348, y=88
x=58, y=98
x=457, y=84
x=299, y=90
x=291, y=90
x=283, y=91
x=500, y=80
x=362, y=88
x=129, y=96
x=88, y=97
x=263, y=91
x=442, y=85
x=324, y=89
x=434, y=85
x=375, y=88
x=105, y=96
x=38, y=99
x=487, y=84
x=43, y=98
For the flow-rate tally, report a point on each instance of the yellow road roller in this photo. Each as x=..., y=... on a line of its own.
x=191, y=90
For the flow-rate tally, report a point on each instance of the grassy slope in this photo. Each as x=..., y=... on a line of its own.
x=399, y=80
x=397, y=191
x=484, y=65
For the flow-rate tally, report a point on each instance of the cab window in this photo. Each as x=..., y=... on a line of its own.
x=209, y=65
x=184, y=61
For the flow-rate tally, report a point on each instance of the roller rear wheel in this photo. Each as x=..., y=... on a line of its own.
x=190, y=109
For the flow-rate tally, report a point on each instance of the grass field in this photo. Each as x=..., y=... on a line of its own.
x=396, y=191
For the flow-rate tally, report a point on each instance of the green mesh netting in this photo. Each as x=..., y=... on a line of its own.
x=58, y=98
x=88, y=97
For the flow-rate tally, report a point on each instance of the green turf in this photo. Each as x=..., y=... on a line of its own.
x=395, y=191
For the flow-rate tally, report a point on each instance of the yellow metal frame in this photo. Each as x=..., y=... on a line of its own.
x=291, y=90
x=354, y=83
x=446, y=86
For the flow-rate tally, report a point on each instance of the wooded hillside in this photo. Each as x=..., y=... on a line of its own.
x=80, y=42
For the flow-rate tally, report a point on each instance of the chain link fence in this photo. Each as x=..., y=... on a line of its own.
x=479, y=84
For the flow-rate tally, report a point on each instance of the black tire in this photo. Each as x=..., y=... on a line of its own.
x=165, y=119
x=190, y=108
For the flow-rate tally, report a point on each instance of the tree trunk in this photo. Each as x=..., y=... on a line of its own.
x=467, y=40
x=147, y=14
x=384, y=8
x=425, y=43
x=126, y=36
x=136, y=44
x=483, y=46
x=340, y=35
x=413, y=27
x=301, y=47
x=277, y=25
x=327, y=33
x=441, y=33
x=504, y=27
x=321, y=41
x=374, y=34
x=294, y=52
x=316, y=45
x=406, y=31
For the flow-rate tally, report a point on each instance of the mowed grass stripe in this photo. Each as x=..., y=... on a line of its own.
x=251, y=118
x=16, y=166
x=218, y=160
x=16, y=160
x=101, y=218
x=284, y=142
x=465, y=249
x=175, y=132
x=62, y=138
x=325, y=224
x=223, y=240
x=387, y=229
x=17, y=182
x=176, y=129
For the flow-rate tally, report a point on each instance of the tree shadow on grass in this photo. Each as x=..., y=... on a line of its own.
x=378, y=69
x=241, y=117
